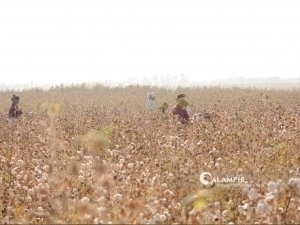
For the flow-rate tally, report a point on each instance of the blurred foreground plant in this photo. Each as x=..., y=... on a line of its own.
x=97, y=143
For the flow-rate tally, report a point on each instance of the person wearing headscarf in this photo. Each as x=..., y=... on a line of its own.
x=151, y=104
x=180, y=109
x=14, y=110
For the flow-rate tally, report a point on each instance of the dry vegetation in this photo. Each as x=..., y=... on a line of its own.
x=95, y=155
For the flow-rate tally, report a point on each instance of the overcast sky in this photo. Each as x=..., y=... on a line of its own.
x=76, y=41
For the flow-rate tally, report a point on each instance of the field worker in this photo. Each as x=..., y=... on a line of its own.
x=14, y=110
x=164, y=108
x=180, y=109
x=150, y=101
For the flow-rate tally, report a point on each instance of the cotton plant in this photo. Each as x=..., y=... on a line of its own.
x=152, y=150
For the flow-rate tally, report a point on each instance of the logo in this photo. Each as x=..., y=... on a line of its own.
x=206, y=178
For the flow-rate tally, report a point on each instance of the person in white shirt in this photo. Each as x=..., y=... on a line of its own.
x=150, y=101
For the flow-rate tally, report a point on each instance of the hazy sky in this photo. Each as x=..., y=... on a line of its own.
x=74, y=41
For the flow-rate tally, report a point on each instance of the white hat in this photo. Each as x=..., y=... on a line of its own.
x=150, y=95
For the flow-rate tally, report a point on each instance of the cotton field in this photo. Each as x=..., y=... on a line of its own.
x=96, y=155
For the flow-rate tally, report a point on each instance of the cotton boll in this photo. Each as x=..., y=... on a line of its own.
x=88, y=174
x=88, y=157
x=294, y=182
x=11, y=194
x=252, y=194
x=278, y=219
x=260, y=209
x=28, y=199
x=191, y=150
x=137, y=164
x=42, y=180
x=30, y=191
x=96, y=221
x=269, y=198
x=46, y=185
x=193, y=212
x=101, y=210
x=20, y=162
x=9, y=191
x=163, y=200
x=101, y=200
x=246, y=206
x=248, y=215
x=13, y=172
x=35, y=161
x=168, y=192
x=117, y=197
x=40, y=210
x=80, y=178
x=102, y=191
x=170, y=175
x=230, y=203
x=156, y=218
x=164, y=185
x=162, y=218
x=46, y=168
x=268, y=208
x=240, y=170
x=87, y=217
x=104, y=162
x=130, y=165
x=19, y=177
x=272, y=187
x=83, y=165
x=85, y=200
x=217, y=204
x=153, y=180
x=37, y=171
x=241, y=209
x=17, y=185
x=225, y=213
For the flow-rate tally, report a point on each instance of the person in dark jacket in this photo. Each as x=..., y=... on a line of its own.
x=14, y=110
x=164, y=108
